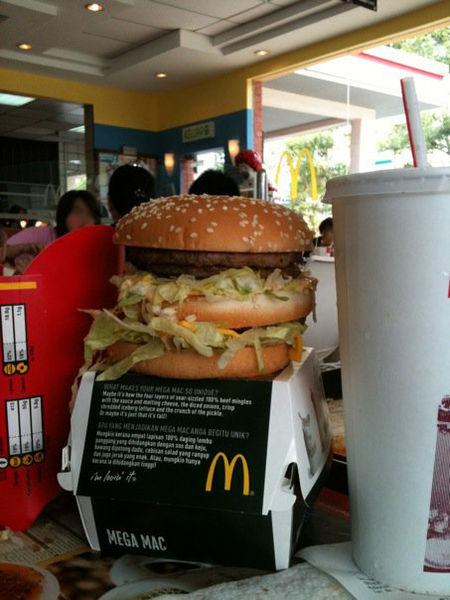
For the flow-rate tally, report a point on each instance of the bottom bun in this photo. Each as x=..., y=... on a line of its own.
x=191, y=365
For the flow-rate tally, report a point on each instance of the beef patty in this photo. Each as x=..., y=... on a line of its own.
x=204, y=264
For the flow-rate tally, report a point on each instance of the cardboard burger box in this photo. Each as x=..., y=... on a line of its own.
x=218, y=471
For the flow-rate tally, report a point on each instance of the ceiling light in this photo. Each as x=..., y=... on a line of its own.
x=78, y=129
x=13, y=100
x=94, y=7
x=160, y=75
x=261, y=52
x=24, y=46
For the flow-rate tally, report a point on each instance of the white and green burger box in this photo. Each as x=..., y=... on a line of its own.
x=214, y=470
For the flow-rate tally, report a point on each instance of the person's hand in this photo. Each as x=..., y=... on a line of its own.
x=14, y=250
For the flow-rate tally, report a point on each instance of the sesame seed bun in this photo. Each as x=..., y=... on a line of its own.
x=190, y=365
x=214, y=224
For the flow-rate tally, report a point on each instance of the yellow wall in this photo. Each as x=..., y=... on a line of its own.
x=220, y=95
x=231, y=92
x=112, y=106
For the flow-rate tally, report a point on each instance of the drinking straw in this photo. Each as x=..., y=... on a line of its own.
x=415, y=131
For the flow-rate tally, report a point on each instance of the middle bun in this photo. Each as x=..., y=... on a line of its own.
x=258, y=311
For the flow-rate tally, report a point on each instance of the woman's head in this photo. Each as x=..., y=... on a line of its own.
x=76, y=209
x=216, y=183
x=128, y=187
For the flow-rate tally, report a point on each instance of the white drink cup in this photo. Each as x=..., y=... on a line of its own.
x=392, y=252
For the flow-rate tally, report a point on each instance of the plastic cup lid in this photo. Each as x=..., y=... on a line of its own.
x=394, y=181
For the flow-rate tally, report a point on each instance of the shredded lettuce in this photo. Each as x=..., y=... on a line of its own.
x=108, y=329
x=236, y=284
x=129, y=300
x=208, y=334
x=160, y=334
x=172, y=291
x=233, y=347
x=275, y=297
x=103, y=333
x=286, y=332
x=259, y=354
x=148, y=351
x=182, y=333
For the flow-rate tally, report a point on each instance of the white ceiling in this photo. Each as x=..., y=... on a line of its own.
x=129, y=41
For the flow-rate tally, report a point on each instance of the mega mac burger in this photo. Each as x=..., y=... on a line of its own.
x=218, y=290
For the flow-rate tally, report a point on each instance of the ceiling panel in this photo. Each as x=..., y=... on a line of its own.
x=26, y=136
x=162, y=16
x=276, y=118
x=51, y=107
x=34, y=131
x=101, y=47
x=124, y=31
x=73, y=119
x=253, y=13
x=13, y=121
x=309, y=86
x=27, y=113
x=217, y=27
x=21, y=24
x=283, y=2
x=77, y=112
x=223, y=10
x=56, y=125
x=67, y=115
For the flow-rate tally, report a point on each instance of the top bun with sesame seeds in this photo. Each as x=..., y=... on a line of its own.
x=218, y=290
x=214, y=224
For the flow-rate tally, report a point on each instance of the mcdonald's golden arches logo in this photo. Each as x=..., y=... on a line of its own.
x=229, y=470
x=295, y=171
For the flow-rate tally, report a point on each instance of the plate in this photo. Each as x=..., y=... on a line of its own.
x=50, y=585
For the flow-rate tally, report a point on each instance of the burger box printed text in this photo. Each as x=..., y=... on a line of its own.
x=207, y=470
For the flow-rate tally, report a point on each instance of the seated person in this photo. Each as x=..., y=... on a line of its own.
x=326, y=237
x=216, y=183
x=129, y=186
x=76, y=209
